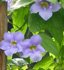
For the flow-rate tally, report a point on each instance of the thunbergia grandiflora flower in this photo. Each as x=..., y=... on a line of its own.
x=11, y=43
x=32, y=48
x=45, y=8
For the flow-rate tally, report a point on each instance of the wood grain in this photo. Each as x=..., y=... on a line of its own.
x=3, y=28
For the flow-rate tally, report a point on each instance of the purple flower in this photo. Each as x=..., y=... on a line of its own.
x=32, y=48
x=45, y=8
x=11, y=43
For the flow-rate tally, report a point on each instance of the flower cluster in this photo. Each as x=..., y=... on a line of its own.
x=15, y=43
x=45, y=8
x=11, y=43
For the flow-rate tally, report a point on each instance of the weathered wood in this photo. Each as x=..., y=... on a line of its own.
x=3, y=28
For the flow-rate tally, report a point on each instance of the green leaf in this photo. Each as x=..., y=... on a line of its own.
x=18, y=17
x=48, y=44
x=55, y=25
x=36, y=23
x=21, y=3
x=62, y=3
x=44, y=63
x=0, y=0
x=62, y=53
x=53, y=1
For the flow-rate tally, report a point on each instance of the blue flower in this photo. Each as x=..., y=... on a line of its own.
x=11, y=43
x=32, y=48
x=45, y=8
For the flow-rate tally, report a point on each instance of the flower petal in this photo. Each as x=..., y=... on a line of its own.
x=10, y=51
x=40, y=48
x=35, y=39
x=19, y=47
x=4, y=45
x=18, y=36
x=36, y=57
x=26, y=53
x=35, y=8
x=45, y=14
x=26, y=43
x=8, y=36
x=56, y=7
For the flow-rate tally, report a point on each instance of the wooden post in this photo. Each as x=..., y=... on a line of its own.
x=3, y=28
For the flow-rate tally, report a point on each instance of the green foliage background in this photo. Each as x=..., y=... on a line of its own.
x=51, y=32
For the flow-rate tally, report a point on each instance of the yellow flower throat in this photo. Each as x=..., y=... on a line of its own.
x=13, y=42
x=32, y=47
x=44, y=4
